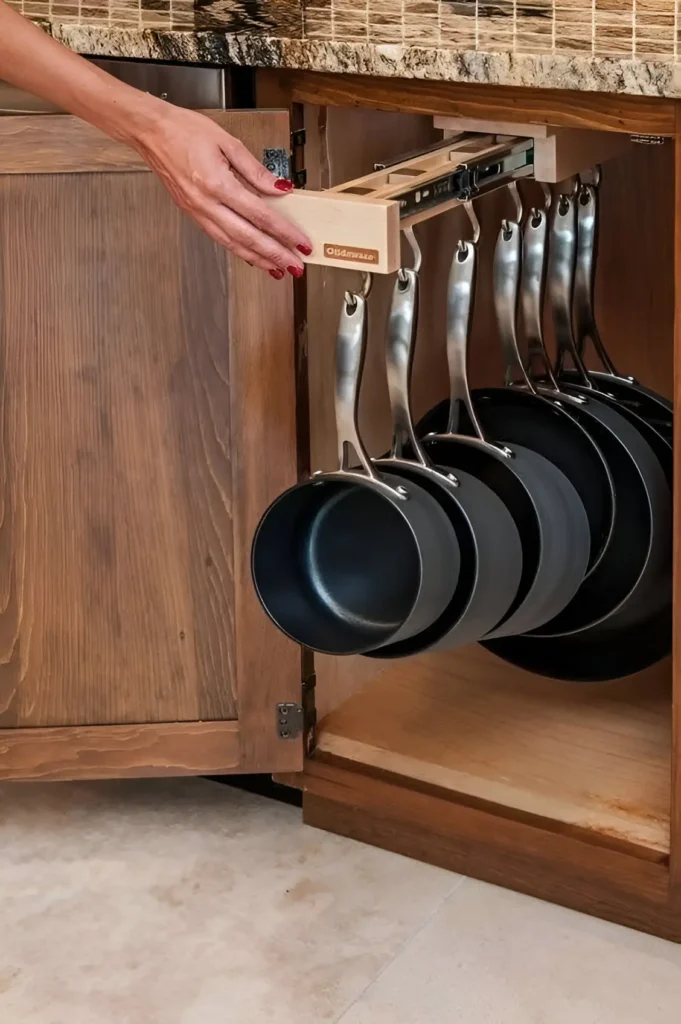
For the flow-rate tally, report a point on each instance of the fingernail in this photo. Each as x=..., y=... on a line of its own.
x=276, y=274
x=283, y=184
x=295, y=271
x=305, y=249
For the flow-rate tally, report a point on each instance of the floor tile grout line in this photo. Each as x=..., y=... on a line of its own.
x=403, y=948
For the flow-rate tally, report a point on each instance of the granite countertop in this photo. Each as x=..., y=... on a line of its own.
x=546, y=71
x=612, y=46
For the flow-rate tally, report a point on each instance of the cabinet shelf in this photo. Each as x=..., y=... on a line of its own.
x=594, y=756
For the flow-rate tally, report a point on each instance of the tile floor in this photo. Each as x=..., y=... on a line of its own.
x=187, y=902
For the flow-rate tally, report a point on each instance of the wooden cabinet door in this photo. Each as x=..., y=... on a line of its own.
x=147, y=418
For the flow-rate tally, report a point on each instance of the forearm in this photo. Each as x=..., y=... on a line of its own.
x=33, y=61
x=196, y=160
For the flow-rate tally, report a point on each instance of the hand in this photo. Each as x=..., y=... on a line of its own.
x=207, y=172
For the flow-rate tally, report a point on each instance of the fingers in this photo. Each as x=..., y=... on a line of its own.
x=240, y=238
x=215, y=232
x=251, y=170
x=266, y=219
x=251, y=206
x=246, y=235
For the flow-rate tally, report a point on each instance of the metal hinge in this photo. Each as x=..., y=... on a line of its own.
x=299, y=174
x=278, y=162
x=649, y=140
x=290, y=720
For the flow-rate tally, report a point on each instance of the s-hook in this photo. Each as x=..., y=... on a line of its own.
x=515, y=194
x=463, y=243
x=350, y=300
x=416, y=252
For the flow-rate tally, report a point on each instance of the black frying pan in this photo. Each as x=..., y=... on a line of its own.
x=347, y=561
x=545, y=507
x=651, y=414
x=634, y=575
x=491, y=553
x=639, y=633
x=593, y=656
x=524, y=416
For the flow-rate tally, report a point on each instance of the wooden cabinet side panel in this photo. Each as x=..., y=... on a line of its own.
x=264, y=463
x=116, y=559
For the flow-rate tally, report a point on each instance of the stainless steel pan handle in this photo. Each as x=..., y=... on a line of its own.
x=506, y=278
x=399, y=359
x=460, y=291
x=533, y=283
x=585, y=273
x=350, y=352
x=460, y=296
x=562, y=256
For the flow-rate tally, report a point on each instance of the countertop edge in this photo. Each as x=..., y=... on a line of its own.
x=559, y=71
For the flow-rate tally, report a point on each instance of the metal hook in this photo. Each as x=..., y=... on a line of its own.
x=475, y=223
x=535, y=212
x=350, y=300
x=513, y=189
x=416, y=250
x=592, y=177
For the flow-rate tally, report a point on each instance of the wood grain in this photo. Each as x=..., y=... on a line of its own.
x=524, y=856
x=594, y=755
x=119, y=751
x=264, y=463
x=147, y=417
x=116, y=458
x=500, y=103
x=62, y=144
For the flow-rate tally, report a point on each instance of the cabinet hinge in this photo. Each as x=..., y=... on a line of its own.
x=309, y=704
x=299, y=174
x=278, y=162
x=649, y=140
x=290, y=720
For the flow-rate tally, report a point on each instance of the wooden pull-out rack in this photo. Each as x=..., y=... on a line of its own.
x=357, y=224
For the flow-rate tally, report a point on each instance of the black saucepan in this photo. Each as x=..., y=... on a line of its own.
x=350, y=560
x=553, y=526
x=491, y=552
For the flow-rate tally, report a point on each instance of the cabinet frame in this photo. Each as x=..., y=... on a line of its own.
x=538, y=856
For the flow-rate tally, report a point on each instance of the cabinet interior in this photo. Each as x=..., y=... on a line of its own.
x=592, y=757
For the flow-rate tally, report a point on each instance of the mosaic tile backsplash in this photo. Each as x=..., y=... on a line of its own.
x=647, y=30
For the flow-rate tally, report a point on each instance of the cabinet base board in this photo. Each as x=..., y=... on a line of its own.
x=148, y=750
x=620, y=885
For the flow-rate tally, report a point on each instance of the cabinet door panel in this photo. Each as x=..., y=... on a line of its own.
x=146, y=419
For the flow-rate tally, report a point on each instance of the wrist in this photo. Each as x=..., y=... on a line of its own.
x=124, y=113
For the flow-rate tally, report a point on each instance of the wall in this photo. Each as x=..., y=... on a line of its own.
x=646, y=30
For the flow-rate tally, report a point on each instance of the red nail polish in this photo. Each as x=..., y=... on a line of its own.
x=276, y=274
x=295, y=271
x=283, y=184
x=305, y=249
